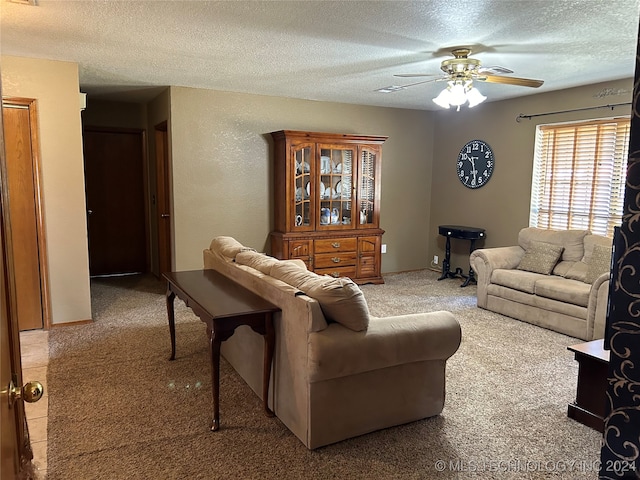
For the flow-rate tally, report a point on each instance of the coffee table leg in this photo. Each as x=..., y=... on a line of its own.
x=172, y=321
x=269, y=344
x=214, y=347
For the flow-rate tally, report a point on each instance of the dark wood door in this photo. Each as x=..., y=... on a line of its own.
x=115, y=191
x=22, y=178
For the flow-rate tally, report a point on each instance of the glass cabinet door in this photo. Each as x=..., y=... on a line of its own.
x=367, y=169
x=335, y=186
x=302, y=219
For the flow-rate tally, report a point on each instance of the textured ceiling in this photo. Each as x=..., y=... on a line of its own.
x=339, y=51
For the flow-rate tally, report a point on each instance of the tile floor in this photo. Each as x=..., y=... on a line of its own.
x=34, y=347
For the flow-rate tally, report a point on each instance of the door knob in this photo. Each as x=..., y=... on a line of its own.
x=164, y=215
x=89, y=212
x=31, y=392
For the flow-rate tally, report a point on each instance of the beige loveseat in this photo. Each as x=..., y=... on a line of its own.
x=337, y=372
x=555, y=279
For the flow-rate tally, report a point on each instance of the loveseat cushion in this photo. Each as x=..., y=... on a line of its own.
x=563, y=290
x=601, y=261
x=340, y=299
x=517, y=279
x=540, y=257
x=571, y=240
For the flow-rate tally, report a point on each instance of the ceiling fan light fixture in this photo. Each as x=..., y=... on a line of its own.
x=474, y=97
x=442, y=100
x=458, y=94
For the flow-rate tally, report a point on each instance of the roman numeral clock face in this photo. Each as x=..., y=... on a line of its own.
x=475, y=164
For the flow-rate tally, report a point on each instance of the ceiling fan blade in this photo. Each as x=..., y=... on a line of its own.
x=395, y=88
x=494, y=69
x=523, y=82
x=410, y=75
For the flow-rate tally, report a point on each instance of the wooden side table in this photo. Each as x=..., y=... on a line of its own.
x=223, y=305
x=589, y=407
x=464, y=233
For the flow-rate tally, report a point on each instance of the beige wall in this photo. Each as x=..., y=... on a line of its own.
x=222, y=178
x=55, y=87
x=502, y=205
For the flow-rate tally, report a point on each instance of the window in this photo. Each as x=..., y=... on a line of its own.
x=579, y=174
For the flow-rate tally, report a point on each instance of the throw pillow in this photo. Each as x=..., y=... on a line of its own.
x=341, y=301
x=540, y=257
x=598, y=263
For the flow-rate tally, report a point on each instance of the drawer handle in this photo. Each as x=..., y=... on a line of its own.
x=335, y=245
x=335, y=259
x=335, y=274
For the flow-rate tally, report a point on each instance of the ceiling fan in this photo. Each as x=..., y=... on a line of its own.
x=460, y=73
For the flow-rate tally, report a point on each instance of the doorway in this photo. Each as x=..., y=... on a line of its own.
x=20, y=130
x=116, y=189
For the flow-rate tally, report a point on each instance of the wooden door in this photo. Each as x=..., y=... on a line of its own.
x=163, y=192
x=115, y=190
x=20, y=127
x=15, y=448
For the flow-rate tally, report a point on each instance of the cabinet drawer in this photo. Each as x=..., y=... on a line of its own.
x=337, y=271
x=330, y=260
x=335, y=245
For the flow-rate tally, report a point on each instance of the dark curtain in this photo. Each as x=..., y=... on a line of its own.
x=620, y=455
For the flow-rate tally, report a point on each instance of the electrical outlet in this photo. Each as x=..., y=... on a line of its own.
x=435, y=259
x=384, y=248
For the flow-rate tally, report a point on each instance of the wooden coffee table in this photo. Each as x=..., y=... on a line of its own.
x=589, y=407
x=223, y=305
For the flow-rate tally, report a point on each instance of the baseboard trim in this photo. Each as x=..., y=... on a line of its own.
x=70, y=324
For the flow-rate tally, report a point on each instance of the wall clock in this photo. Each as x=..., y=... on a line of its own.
x=475, y=164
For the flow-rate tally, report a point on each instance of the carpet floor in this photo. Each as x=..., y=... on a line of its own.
x=118, y=409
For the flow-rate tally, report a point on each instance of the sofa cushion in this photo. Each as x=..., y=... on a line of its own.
x=563, y=290
x=516, y=279
x=571, y=240
x=579, y=270
x=291, y=273
x=259, y=261
x=263, y=262
x=599, y=262
x=540, y=257
x=562, y=268
x=341, y=299
x=227, y=246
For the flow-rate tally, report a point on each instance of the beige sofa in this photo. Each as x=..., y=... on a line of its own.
x=555, y=279
x=337, y=371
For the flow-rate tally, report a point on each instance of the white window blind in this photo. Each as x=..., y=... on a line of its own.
x=579, y=175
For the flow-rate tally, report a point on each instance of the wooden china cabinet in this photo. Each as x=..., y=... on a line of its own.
x=327, y=202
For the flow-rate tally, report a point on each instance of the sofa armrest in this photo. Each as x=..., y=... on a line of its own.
x=597, y=307
x=485, y=260
x=338, y=352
